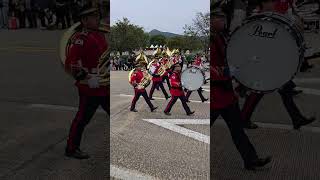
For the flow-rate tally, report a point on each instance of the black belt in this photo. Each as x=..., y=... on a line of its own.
x=226, y=85
x=177, y=88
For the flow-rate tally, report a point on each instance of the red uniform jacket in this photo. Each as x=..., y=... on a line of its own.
x=176, y=87
x=221, y=98
x=136, y=77
x=156, y=78
x=197, y=62
x=282, y=6
x=84, y=53
x=177, y=60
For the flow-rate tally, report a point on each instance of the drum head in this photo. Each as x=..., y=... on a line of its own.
x=263, y=55
x=192, y=78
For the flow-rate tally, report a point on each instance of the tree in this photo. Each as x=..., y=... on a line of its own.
x=158, y=40
x=200, y=29
x=176, y=42
x=185, y=43
x=125, y=36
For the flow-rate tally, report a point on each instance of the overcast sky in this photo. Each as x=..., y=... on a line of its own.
x=164, y=15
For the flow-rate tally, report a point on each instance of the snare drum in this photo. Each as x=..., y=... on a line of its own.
x=265, y=52
x=192, y=78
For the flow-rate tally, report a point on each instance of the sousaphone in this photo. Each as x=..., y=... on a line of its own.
x=103, y=69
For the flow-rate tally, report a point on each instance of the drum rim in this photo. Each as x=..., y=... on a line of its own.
x=265, y=91
x=294, y=31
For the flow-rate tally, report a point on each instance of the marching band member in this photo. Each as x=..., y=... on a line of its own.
x=200, y=90
x=164, y=61
x=224, y=101
x=198, y=63
x=286, y=93
x=156, y=79
x=176, y=57
x=82, y=62
x=139, y=90
x=177, y=91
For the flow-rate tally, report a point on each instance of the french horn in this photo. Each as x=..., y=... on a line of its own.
x=103, y=70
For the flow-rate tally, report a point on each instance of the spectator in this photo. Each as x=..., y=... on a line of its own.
x=60, y=5
x=131, y=61
x=68, y=10
x=116, y=63
x=4, y=12
x=41, y=5
x=76, y=6
x=50, y=19
x=21, y=13
x=31, y=13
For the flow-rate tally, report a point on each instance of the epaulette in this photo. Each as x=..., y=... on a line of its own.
x=79, y=38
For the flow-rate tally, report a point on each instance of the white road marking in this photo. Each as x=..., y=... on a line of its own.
x=309, y=91
x=58, y=107
x=165, y=123
x=188, y=121
x=127, y=95
x=277, y=126
x=307, y=80
x=125, y=174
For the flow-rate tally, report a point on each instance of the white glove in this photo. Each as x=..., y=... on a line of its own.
x=153, y=69
x=93, y=81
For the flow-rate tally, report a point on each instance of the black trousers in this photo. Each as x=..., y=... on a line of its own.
x=157, y=84
x=287, y=100
x=166, y=78
x=199, y=92
x=32, y=18
x=174, y=99
x=231, y=116
x=41, y=15
x=63, y=17
x=22, y=18
x=87, y=107
x=136, y=98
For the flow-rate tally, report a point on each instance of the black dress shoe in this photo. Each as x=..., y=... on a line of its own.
x=303, y=122
x=151, y=99
x=250, y=125
x=167, y=113
x=190, y=113
x=188, y=101
x=258, y=163
x=133, y=110
x=204, y=100
x=78, y=154
x=154, y=108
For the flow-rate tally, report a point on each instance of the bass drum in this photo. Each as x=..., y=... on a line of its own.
x=265, y=52
x=192, y=78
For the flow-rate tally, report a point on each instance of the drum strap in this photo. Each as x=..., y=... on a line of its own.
x=221, y=48
x=226, y=85
x=176, y=88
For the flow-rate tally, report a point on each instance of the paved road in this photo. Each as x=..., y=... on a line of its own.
x=37, y=104
x=155, y=145
x=296, y=153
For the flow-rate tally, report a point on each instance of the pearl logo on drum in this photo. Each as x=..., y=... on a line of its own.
x=259, y=31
